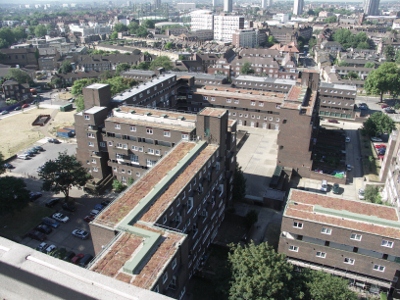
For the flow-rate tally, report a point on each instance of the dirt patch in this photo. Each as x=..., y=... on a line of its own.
x=17, y=132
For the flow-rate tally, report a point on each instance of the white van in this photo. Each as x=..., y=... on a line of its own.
x=324, y=186
x=23, y=156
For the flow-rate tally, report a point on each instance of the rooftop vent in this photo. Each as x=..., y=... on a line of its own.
x=132, y=112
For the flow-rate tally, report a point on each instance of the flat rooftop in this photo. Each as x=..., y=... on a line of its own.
x=338, y=86
x=97, y=86
x=94, y=109
x=136, y=90
x=201, y=76
x=212, y=112
x=265, y=79
x=121, y=207
x=350, y=214
x=29, y=274
x=242, y=94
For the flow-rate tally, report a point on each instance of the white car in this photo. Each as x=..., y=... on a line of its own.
x=60, y=217
x=376, y=139
x=50, y=248
x=79, y=233
x=23, y=156
x=348, y=139
x=361, y=194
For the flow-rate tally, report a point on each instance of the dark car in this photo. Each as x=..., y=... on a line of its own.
x=42, y=247
x=44, y=228
x=50, y=203
x=54, y=141
x=98, y=207
x=85, y=260
x=390, y=111
x=77, y=258
x=336, y=189
x=50, y=222
x=105, y=203
x=34, y=195
x=17, y=108
x=69, y=207
x=68, y=256
x=37, y=235
x=89, y=218
x=8, y=166
x=38, y=148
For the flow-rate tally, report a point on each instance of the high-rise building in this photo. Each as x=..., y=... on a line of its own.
x=201, y=20
x=371, y=7
x=298, y=7
x=225, y=26
x=227, y=5
x=157, y=4
x=266, y=3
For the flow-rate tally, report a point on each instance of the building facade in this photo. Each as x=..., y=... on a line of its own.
x=201, y=20
x=352, y=239
x=298, y=7
x=228, y=5
x=155, y=234
x=371, y=7
x=245, y=38
x=225, y=26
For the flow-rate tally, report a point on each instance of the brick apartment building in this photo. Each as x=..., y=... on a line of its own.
x=351, y=239
x=155, y=235
x=23, y=57
x=337, y=100
x=13, y=90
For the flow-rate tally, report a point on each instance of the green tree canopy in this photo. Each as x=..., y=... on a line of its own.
x=369, y=64
x=3, y=44
x=168, y=45
x=149, y=23
x=114, y=35
x=389, y=53
x=161, y=62
x=347, y=39
x=119, y=27
x=258, y=272
x=331, y=19
x=378, y=123
x=62, y=173
x=397, y=57
x=246, y=68
x=13, y=195
x=372, y=194
x=122, y=67
x=79, y=103
x=19, y=33
x=7, y=35
x=119, y=84
x=19, y=75
x=385, y=79
x=40, y=30
x=65, y=67
x=79, y=85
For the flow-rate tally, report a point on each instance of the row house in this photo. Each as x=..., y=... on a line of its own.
x=356, y=240
x=22, y=57
x=13, y=90
x=261, y=66
x=156, y=234
x=105, y=62
x=267, y=84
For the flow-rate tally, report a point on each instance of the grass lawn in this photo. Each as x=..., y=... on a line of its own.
x=14, y=227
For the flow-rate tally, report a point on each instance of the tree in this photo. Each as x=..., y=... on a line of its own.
x=65, y=67
x=312, y=42
x=122, y=67
x=258, y=272
x=19, y=75
x=114, y=35
x=369, y=64
x=352, y=75
x=56, y=81
x=118, y=186
x=397, y=57
x=13, y=196
x=79, y=85
x=40, y=30
x=378, y=123
x=149, y=23
x=323, y=286
x=62, y=173
x=161, y=62
x=389, y=53
x=19, y=33
x=372, y=194
x=246, y=68
x=331, y=19
x=347, y=39
x=119, y=27
x=385, y=79
x=7, y=35
x=119, y=84
x=144, y=65
x=168, y=46
x=3, y=43
x=239, y=185
x=79, y=103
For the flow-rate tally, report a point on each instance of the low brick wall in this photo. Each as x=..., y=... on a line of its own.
x=327, y=177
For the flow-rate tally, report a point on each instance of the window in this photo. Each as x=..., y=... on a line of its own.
x=117, y=126
x=386, y=243
x=320, y=254
x=205, y=98
x=110, y=143
x=212, y=98
x=133, y=128
x=91, y=144
x=102, y=144
x=260, y=103
x=185, y=136
x=379, y=268
x=356, y=236
x=150, y=151
x=325, y=230
x=94, y=161
x=164, y=277
x=293, y=248
x=167, y=133
x=253, y=103
x=95, y=169
x=158, y=152
x=87, y=117
x=349, y=261
x=228, y=100
x=174, y=263
x=298, y=225
x=149, y=130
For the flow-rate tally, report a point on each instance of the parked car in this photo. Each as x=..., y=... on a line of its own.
x=79, y=233
x=33, y=150
x=60, y=217
x=94, y=212
x=88, y=218
x=38, y=148
x=23, y=156
x=383, y=106
x=324, y=186
x=376, y=139
x=30, y=153
x=361, y=194
x=25, y=105
x=54, y=141
x=17, y=108
x=379, y=146
x=336, y=189
x=50, y=249
x=349, y=167
x=4, y=112
x=50, y=203
x=390, y=111
x=44, y=228
x=34, y=195
x=50, y=222
x=37, y=235
x=77, y=258
x=85, y=260
x=42, y=247
x=98, y=207
x=68, y=256
x=105, y=203
x=8, y=166
x=69, y=207
x=363, y=106
x=333, y=121
x=348, y=139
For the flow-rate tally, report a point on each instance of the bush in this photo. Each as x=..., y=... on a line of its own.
x=118, y=186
